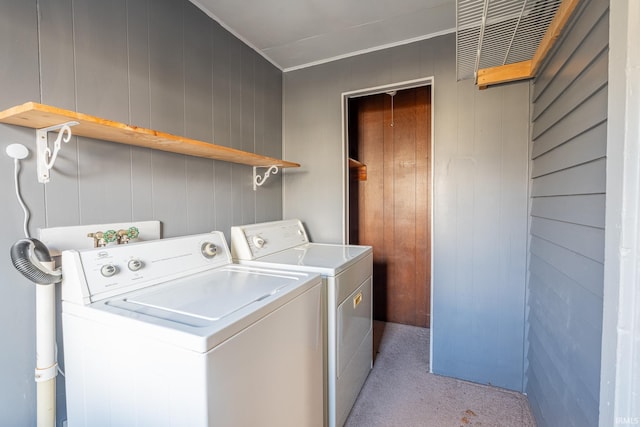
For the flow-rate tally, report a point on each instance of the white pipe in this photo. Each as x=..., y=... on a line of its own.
x=46, y=403
x=46, y=365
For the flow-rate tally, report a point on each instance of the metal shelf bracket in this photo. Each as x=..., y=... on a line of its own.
x=45, y=157
x=259, y=180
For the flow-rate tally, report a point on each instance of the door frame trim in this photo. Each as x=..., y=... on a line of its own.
x=374, y=90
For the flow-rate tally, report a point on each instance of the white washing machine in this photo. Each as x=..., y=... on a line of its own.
x=171, y=333
x=347, y=273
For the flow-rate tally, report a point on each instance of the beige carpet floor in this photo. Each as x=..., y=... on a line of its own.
x=400, y=391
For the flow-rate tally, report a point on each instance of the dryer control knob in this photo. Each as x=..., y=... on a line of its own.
x=135, y=264
x=209, y=250
x=258, y=241
x=108, y=270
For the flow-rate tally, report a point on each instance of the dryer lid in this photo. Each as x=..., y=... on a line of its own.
x=212, y=296
x=325, y=258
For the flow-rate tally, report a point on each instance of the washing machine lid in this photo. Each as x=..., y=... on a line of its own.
x=325, y=259
x=200, y=311
x=212, y=296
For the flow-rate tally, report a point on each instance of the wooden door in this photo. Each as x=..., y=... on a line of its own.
x=391, y=210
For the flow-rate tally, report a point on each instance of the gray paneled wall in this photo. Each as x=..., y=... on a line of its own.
x=569, y=131
x=163, y=65
x=480, y=196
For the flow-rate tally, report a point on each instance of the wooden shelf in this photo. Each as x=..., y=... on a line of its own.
x=37, y=116
x=358, y=170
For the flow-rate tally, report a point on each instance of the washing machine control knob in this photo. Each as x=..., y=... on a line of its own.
x=209, y=250
x=135, y=264
x=258, y=241
x=108, y=270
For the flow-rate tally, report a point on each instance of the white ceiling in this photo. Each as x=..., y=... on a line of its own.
x=297, y=33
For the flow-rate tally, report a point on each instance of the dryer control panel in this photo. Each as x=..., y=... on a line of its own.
x=92, y=274
x=253, y=241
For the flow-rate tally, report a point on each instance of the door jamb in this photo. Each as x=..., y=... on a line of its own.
x=427, y=81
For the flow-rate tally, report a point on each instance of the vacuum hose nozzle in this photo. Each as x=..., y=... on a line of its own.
x=27, y=256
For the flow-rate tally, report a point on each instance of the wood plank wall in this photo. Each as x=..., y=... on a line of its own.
x=569, y=125
x=160, y=64
x=393, y=211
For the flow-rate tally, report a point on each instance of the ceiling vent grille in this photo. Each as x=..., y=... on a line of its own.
x=492, y=33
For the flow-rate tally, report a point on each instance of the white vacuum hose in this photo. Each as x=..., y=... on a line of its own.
x=31, y=258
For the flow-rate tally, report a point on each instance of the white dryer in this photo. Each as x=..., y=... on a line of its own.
x=347, y=274
x=171, y=333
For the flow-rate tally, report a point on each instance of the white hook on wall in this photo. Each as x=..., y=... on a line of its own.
x=45, y=156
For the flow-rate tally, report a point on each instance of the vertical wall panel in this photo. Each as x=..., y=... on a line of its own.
x=247, y=130
x=139, y=107
x=235, y=128
x=567, y=224
x=260, y=133
x=157, y=64
x=269, y=137
x=58, y=88
x=480, y=196
x=167, y=100
x=221, y=127
x=57, y=53
x=101, y=90
x=104, y=191
x=19, y=42
x=166, y=66
x=311, y=102
x=198, y=70
x=101, y=80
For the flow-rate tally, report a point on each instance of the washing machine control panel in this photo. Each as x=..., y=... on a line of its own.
x=116, y=269
x=256, y=240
